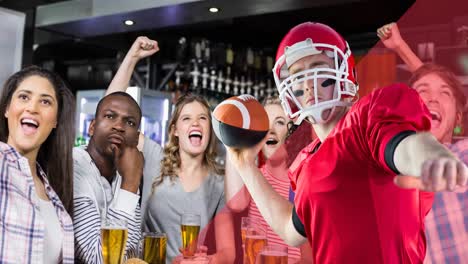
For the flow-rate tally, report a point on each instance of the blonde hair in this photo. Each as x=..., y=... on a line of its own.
x=171, y=156
x=271, y=100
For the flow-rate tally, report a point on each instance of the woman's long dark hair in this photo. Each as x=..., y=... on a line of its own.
x=55, y=153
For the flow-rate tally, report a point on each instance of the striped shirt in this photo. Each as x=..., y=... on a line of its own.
x=95, y=198
x=22, y=228
x=447, y=223
x=281, y=186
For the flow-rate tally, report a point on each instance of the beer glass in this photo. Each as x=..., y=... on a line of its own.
x=255, y=240
x=114, y=234
x=245, y=223
x=196, y=260
x=273, y=254
x=154, y=247
x=190, y=227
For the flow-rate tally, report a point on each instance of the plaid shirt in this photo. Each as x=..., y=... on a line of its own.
x=447, y=223
x=21, y=225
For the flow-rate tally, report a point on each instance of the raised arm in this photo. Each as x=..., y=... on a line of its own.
x=237, y=195
x=433, y=167
x=391, y=38
x=276, y=210
x=141, y=48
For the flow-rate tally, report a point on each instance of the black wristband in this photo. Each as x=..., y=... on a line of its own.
x=391, y=147
x=298, y=225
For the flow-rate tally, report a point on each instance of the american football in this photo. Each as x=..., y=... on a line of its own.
x=240, y=121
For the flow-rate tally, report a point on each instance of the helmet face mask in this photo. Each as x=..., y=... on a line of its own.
x=339, y=76
x=325, y=93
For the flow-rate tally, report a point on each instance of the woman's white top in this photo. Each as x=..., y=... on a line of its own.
x=53, y=237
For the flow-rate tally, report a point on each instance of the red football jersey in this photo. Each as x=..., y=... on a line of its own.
x=345, y=196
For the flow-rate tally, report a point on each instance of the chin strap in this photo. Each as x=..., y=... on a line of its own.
x=316, y=112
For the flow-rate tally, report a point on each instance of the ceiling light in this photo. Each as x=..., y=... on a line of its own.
x=214, y=9
x=129, y=22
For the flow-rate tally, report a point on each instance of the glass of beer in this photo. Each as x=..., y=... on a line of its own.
x=196, y=260
x=114, y=234
x=255, y=240
x=190, y=227
x=154, y=247
x=245, y=223
x=273, y=254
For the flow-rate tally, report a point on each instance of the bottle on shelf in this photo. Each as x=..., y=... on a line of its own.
x=228, y=81
x=242, y=85
x=213, y=79
x=262, y=88
x=195, y=76
x=235, y=84
x=219, y=87
x=205, y=75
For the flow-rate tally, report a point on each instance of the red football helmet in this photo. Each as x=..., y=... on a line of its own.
x=309, y=39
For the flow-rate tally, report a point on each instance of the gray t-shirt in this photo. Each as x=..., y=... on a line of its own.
x=153, y=154
x=164, y=207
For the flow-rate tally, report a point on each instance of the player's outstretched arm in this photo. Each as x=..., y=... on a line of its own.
x=391, y=38
x=141, y=48
x=427, y=165
x=276, y=210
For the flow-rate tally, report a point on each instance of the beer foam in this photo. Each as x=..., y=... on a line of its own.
x=274, y=253
x=256, y=236
x=114, y=228
x=196, y=260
